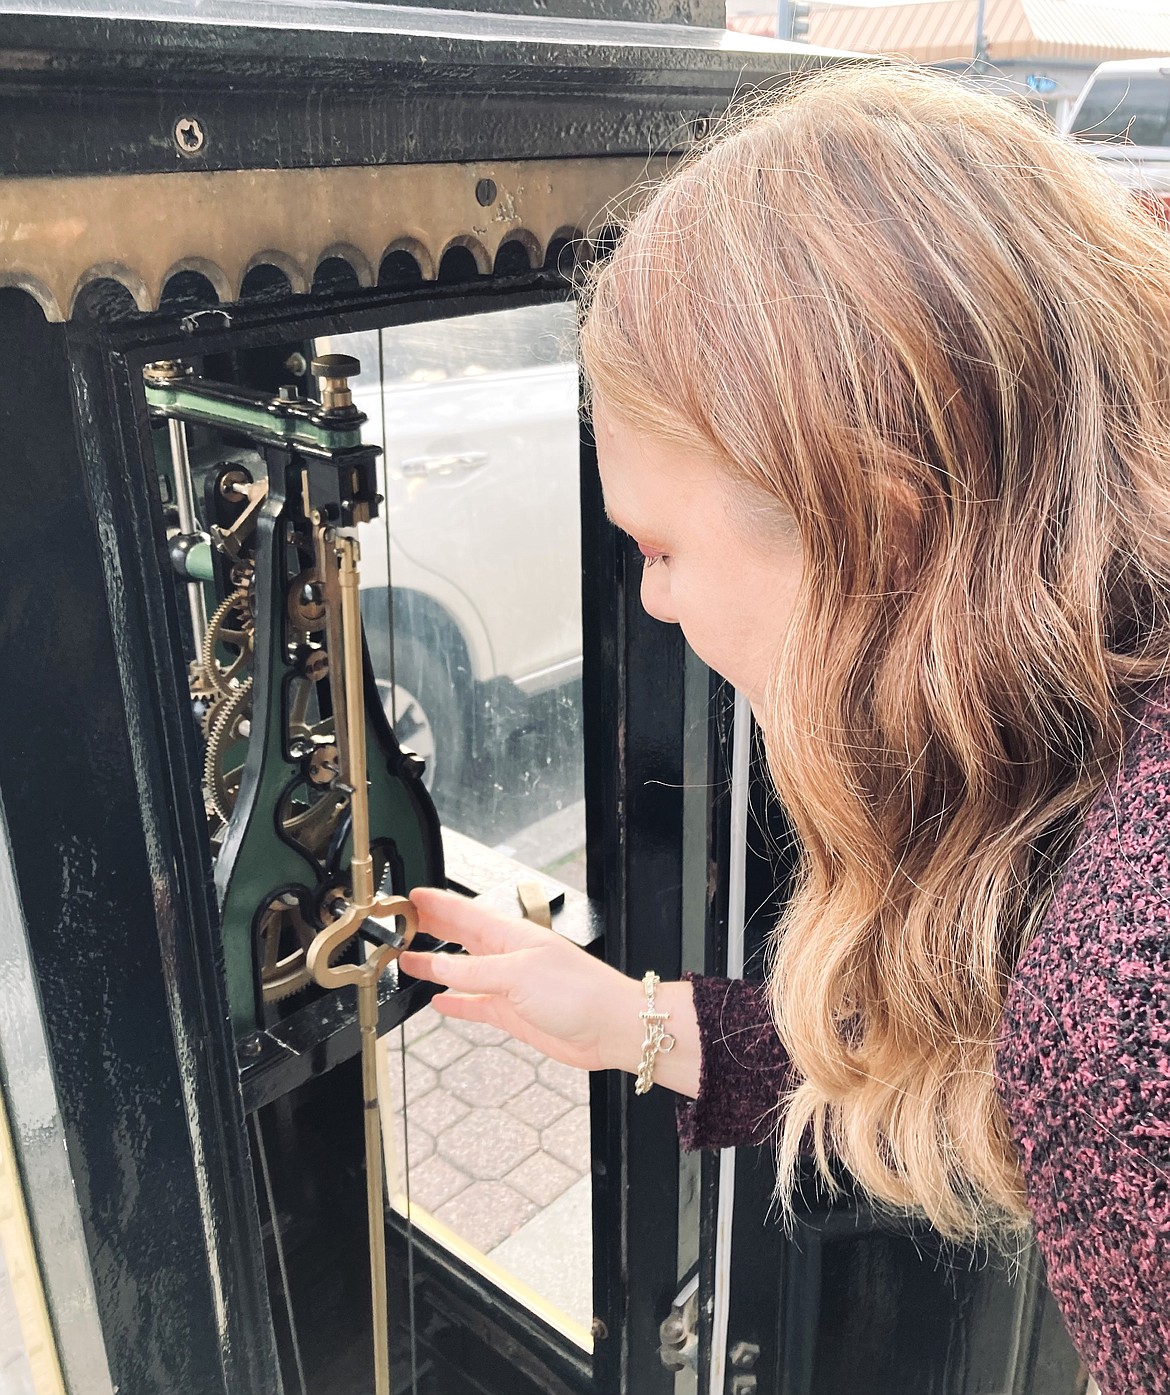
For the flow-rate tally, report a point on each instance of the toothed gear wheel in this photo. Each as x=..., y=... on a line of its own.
x=285, y=937
x=233, y=637
x=223, y=785
x=244, y=579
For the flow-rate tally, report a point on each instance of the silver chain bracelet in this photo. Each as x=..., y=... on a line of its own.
x=657, y=1038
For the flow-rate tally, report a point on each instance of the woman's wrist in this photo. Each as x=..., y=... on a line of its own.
x=620, y=1046
x=622, y=1043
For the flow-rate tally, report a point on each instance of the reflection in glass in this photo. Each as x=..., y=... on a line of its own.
x=471, y=597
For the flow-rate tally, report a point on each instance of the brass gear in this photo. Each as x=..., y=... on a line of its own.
x=223, y=678
x=285, y=936
x=228, y=716
x=244, y=579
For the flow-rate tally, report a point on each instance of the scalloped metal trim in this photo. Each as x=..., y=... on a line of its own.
x=59, y=235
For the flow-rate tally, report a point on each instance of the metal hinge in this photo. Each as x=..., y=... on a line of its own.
x=679, y=1332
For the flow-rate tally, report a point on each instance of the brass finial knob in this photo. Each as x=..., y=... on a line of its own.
x=164, y=371
x=335, y=370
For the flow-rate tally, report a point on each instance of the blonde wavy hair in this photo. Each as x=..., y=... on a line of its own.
x=907, y=316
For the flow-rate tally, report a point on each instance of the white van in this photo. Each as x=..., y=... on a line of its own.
x=1124, y=114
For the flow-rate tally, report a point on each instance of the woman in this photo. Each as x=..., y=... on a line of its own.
x=881, y=387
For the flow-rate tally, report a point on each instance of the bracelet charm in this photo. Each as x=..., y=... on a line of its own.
x=656, y=1039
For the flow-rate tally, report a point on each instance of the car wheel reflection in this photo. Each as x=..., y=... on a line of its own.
x=428, y=711
x=412, y=724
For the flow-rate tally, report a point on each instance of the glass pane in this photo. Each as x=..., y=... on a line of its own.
x=471, y=596
x=1133, y=109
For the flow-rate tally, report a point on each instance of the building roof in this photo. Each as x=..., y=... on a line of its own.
x=939, y=31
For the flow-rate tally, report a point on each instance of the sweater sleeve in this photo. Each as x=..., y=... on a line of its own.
x=1084, y=1071
x=743, y=1068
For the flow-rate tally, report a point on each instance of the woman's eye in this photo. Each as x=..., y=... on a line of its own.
x=652, y=555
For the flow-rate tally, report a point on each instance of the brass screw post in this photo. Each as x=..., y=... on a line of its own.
x=335, y=371
x=164, y=371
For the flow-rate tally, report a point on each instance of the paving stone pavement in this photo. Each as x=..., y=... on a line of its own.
x=496, y=1131
x=15, y=1372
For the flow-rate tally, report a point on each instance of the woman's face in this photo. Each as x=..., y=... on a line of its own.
x=710, y=568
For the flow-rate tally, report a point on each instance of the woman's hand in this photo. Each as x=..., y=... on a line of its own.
x=542, y=989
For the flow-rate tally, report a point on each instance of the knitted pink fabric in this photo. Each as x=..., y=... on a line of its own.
x=1083, y=1067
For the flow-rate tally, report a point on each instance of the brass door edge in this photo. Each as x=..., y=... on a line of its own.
x=58, y=235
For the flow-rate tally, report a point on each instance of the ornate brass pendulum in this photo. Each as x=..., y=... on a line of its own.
x=363, y=904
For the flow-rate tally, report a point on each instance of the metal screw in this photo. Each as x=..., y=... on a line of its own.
x=743, y=1385
x=599, y=1330
x=485, y=192
x=190, y=137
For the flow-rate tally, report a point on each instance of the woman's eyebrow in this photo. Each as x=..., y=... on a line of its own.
x=636, y=534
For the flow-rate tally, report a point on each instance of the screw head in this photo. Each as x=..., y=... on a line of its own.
x=485, y=192
x=190, y=137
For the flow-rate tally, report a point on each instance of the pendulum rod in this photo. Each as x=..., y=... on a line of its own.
x=362, y=873
x=362, y=864
x=365, y=903
x=367, y=995
x=412, y=1326
x=188, y=522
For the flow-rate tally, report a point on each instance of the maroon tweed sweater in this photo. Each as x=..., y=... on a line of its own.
x=1083, y=1067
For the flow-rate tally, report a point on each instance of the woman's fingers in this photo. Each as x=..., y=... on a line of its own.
x=448, y=916
x=492, y=973
x=470, y=1007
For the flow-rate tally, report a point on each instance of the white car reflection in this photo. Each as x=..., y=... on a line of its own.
x=471, y=578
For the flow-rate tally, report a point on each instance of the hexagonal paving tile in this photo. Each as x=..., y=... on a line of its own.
x=480, y=1033
x=419, y=1078
x=424, y=1021
x=440, y=1048
x=488, y=1073
x=436, y=1182
x=538, y=1106
x=541, y=1178
x=567, y=1080
x=568, y=1139
x=438, y=1110
x=486, y=1213
x=488, y=1143
x=524, y=1051
x=422, y=1143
